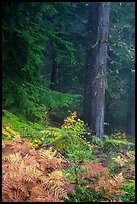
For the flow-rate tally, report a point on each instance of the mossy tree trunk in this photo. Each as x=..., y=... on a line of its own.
x=95, y=73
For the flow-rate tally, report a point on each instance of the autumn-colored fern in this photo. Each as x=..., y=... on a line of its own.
x=97, y=178
x=31, y=175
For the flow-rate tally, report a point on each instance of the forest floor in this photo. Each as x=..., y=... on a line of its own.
x=115, y=153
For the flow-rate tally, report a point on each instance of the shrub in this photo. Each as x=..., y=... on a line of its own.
x=75, y=127
x=77, y=147
x=93, y=184
x=71, y=124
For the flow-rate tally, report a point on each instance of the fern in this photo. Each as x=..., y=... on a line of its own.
x=97, y=179
x=31, y=175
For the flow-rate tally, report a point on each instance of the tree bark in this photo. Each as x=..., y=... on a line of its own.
x=95, y=73
x=130, y=124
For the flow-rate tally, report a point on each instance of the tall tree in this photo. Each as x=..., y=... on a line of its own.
x=98, y=27
x=121, y=65
x=130, y=123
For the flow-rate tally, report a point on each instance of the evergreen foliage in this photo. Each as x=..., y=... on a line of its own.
x=48, y=153
x=25, y=35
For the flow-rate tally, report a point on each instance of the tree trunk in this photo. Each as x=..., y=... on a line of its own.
x=54, y=75
x=95, y=74
x=130, y=124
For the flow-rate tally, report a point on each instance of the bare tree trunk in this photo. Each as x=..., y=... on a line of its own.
x=95, y=75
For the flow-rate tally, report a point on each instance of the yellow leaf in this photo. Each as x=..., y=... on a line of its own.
x=11, y=131
x=119, y=177
x=119, y=161
x=90, y=147
x=4, y=132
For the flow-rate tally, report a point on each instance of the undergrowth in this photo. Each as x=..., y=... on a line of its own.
x=59, y=164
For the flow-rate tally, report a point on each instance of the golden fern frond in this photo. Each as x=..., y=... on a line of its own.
x=48, y=154
x=58, y=192
x=119, y=177
x=56, y=177
x=13, y=158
